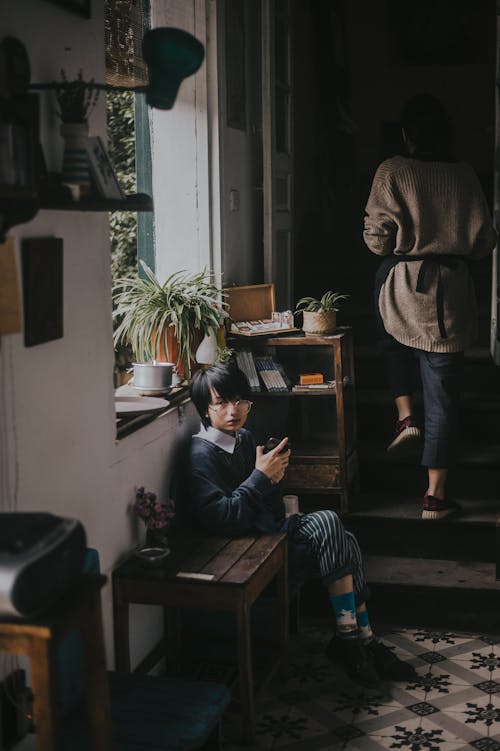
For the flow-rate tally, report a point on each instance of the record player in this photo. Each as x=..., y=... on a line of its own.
x=41, y=555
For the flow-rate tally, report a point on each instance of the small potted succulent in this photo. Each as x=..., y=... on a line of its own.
x=320, y=314
x=76, y=100
x=167, y=321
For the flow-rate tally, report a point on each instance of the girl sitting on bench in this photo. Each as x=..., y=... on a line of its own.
x=235, y=490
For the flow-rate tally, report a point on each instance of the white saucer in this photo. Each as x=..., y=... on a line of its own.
x=130, y=405
x=151, y=392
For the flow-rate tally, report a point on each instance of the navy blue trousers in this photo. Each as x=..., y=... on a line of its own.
x=441, y=374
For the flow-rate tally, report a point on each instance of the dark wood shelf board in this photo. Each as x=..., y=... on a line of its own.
x=129, y=203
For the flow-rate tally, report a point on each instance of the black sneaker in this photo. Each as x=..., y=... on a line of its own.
x=388, y=665
x=406, y=438
x=351, y=655
x=436, y=508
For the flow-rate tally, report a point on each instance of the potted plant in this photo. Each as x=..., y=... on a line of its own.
x=167, y=321
x=76, y=100
x=320, y=314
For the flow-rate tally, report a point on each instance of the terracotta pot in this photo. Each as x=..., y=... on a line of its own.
x=173, y=352
x=319, y=323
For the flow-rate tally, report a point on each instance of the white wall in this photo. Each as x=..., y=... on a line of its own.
x=57, y=427
x=179, y=145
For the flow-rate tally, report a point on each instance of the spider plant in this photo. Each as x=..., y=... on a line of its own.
x=328, y=302
x=145, y=310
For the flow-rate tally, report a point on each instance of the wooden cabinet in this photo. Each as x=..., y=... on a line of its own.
x=320, y=422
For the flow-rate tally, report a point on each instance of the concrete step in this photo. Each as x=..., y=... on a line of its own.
x=459, y=595
x=392, y=526
x=476, y=471
x=479, y=414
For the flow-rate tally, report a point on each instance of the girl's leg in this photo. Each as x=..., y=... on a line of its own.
x=340, y=563
x=400, y=370
x=441, y=380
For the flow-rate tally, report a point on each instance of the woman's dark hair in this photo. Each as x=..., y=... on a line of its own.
x=428, y=126
x=227, y=380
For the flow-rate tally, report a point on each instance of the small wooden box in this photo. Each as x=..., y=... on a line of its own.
x=253, y=303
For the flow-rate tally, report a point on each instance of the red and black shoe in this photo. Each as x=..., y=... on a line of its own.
x=406, y=437
x=437, y=508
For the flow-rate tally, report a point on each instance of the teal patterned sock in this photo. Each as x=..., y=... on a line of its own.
x=365, y=630
x=344, y=607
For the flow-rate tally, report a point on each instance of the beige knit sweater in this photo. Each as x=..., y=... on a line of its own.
x=418, y=208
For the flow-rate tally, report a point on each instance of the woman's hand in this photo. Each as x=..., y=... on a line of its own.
x=273, y=463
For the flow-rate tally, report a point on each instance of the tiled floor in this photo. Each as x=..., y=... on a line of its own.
x=455, y=704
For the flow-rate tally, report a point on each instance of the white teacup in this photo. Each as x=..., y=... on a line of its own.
x=154, y=376
x=291, y=504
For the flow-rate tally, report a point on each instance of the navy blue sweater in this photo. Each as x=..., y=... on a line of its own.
x=230, y=496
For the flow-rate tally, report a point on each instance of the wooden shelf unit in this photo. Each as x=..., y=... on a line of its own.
x=321, y=425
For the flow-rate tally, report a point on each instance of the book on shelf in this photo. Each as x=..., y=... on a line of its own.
x=245, y=362
x=307, y=379
x=318, y=388
x=271, y=373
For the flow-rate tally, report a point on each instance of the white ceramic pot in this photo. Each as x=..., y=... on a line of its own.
x=152, y=376
x=206, y=354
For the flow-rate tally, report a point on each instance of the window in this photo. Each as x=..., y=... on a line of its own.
x=131, y=234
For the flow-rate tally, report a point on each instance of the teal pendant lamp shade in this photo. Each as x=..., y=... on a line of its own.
x=171, y=55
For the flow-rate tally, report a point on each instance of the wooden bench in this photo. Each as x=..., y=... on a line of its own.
x=209, y=573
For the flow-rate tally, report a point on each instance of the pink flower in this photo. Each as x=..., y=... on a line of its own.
x=155, y=514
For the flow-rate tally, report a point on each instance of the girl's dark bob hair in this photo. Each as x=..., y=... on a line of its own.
x=227, y=380
x=427, y=125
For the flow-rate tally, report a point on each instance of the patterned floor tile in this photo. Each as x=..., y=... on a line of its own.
x=453, y=705
x=430, y=639
x=484, y=662
x=291, y=727
x=356, y=705
x=458, y=672
x=482, y=713
x=417, y=732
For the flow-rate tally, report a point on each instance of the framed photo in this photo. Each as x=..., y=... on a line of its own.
x=102, y=171
x=80, y=7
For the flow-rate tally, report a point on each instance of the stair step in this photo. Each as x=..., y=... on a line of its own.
x=394, y=528
x=431, y=574
x=433, y=593
x=486, y=455
x=478, y=414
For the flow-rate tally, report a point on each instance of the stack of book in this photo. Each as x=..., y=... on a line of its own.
x=310, y=388
x=271, y=373
x=244, y=360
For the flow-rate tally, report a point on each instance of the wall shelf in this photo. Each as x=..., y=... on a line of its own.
x=135, y=202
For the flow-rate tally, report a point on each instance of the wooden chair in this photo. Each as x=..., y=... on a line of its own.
x=148, y=713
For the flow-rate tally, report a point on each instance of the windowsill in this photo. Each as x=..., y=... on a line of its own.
x=130, y=424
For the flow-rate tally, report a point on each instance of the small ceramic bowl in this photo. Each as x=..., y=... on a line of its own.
x=152, y=557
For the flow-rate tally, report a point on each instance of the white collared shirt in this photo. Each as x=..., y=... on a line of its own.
x=223, y=440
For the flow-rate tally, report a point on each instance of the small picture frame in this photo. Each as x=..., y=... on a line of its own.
x=102, y=171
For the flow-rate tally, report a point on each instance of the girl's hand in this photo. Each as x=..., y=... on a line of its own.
x=273, y=463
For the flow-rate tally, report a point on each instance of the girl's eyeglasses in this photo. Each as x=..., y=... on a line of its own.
x=244, y=405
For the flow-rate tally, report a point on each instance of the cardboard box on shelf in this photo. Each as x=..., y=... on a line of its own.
x=251, y=308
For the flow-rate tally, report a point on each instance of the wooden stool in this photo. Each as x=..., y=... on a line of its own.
x=39, y=638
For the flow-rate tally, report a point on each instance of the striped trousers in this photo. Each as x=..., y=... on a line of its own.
x=335, y=549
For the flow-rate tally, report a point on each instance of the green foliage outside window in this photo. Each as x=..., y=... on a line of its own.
x=121, y=147
x=123, y=224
